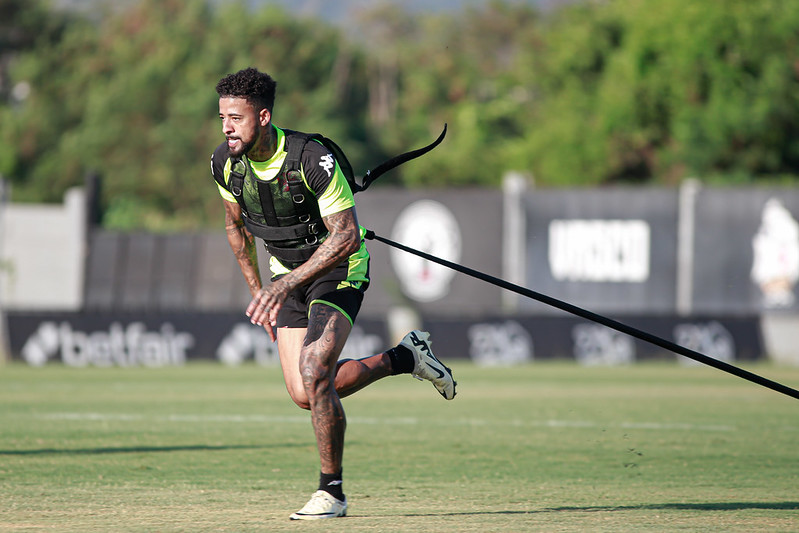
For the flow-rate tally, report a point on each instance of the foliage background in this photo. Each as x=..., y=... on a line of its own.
x=582, y=93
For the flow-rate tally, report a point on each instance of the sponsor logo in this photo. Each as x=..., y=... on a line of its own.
x=599, y=250
x=131, y=345
x=430, y=227
x=507, y=343
x=596, y=345
x=438, y=371
x=246, y=341
x=710, y=338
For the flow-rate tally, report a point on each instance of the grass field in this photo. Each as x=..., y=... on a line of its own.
x=545, y=447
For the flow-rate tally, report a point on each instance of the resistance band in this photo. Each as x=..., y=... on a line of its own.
x=605, y=321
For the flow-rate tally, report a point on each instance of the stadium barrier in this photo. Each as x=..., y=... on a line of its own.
x=160, y=339
x=725, y=260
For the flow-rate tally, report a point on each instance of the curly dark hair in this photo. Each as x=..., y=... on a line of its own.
x=257, y=87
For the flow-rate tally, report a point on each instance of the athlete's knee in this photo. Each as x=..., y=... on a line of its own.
x=317, y=378
x=298, y=395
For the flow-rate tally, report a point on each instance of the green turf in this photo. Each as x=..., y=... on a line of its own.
x=545, y=447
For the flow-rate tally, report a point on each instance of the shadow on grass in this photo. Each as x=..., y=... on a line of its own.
x=709, y=506
x=147, y=449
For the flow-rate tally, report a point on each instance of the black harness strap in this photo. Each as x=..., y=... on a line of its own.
x=238, y=170
x=306, y=231
x=267, y=203
x=293, y=178
x=290, y=256
x=396, y=161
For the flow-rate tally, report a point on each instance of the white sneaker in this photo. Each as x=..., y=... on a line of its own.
x=426, y=366
x=321, y=505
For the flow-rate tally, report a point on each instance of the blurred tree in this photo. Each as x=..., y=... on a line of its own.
x=456, y=69
x=133, y=98
x=24, y=25
x=634, y=91
x=637, y=90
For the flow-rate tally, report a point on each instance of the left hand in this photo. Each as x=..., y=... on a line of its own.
x=264, y=307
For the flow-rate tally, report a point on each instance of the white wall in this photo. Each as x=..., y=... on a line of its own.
x=42, y=254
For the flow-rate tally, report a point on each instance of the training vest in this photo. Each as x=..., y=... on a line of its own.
x=289, y=222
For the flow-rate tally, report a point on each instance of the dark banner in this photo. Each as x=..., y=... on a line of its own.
x=512, y=340
x=612, y=251
x=746, y=255
x=153, y=340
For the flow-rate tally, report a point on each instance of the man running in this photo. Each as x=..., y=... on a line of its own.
x=320, y=270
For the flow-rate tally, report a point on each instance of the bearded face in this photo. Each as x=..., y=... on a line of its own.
x=241, y=124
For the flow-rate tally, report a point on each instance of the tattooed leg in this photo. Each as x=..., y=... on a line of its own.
x=354, y=374
x=351, y=374
x=327, y=332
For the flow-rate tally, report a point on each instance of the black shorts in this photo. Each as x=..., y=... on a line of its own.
x=344, y=296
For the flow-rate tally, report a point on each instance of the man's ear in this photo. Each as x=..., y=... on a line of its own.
x=264, y=117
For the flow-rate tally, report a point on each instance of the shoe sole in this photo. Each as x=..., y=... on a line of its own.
x=316, y=516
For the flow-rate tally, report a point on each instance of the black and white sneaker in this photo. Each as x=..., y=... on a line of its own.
x=426, y=366
x=321, y=505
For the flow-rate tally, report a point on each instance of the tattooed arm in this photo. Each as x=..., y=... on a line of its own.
x=243, y=245
x=344, y=240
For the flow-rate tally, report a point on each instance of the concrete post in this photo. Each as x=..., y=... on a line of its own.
x=514, y=237
x=686, y=228
x=5, y=351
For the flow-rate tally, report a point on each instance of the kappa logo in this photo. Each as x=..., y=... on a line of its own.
x=328, y=164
